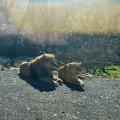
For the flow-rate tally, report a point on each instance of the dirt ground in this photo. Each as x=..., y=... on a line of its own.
x=29, y=99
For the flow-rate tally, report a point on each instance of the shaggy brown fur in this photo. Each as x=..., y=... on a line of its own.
x=69, y=72
x=41, y=68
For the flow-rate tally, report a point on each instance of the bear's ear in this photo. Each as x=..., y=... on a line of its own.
x=48, y=55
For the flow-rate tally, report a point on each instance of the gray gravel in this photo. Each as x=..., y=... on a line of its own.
x=28, y=99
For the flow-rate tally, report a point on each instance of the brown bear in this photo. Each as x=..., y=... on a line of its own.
x=41, y=68
x=70, y=73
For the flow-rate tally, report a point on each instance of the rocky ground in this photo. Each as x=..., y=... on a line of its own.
x=29, y=99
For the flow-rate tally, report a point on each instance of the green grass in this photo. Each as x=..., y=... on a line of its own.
x=111, y=70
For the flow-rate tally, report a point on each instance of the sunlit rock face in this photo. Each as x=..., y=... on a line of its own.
x=68, y=16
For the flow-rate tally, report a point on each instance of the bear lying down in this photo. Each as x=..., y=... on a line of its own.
x=41, y=68
x=71, y=73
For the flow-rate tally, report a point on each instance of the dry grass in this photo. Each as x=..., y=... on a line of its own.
x=72, y=16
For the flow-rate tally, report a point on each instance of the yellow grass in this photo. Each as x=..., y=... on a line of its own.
x=72, y=16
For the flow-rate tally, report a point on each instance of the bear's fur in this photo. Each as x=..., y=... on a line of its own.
x=25, y=69
x=41, y=68
x=70, y=73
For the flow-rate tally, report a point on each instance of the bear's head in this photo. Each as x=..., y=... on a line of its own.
x=49, y=62
x=74, y=67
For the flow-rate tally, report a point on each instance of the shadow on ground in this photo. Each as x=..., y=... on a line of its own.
x=41, y=86
x=74, y=87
